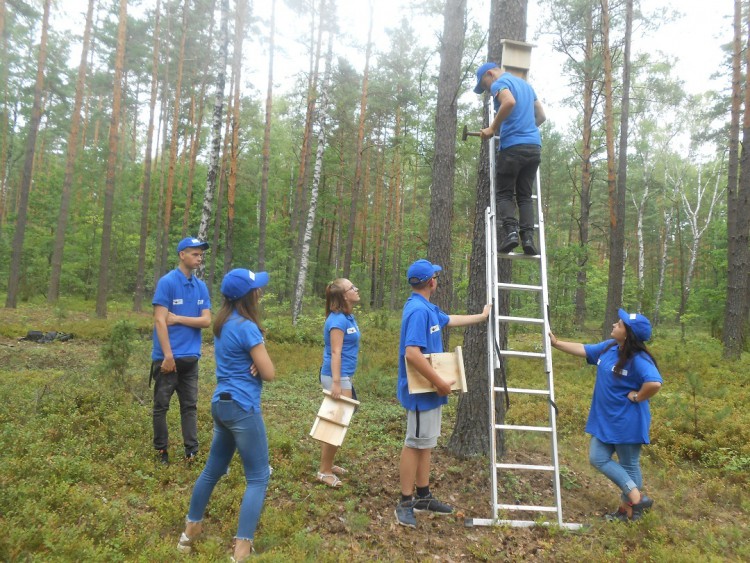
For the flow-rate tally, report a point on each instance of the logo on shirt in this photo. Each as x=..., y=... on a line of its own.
x=176, y=301
x=351, y=330
x=434, y=329
x=622, y=372
x=200, y=301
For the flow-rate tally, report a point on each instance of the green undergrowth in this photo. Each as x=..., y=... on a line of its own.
x=79, y=481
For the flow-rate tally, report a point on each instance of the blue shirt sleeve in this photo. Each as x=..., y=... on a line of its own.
x=593, y=351
x=416, y=329
x=163, y=293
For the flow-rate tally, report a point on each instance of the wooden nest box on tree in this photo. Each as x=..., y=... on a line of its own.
x=516, y=57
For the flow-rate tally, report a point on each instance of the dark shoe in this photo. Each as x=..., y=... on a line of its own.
x=527, y=242
x=431, y=504
x=616, y=516
x=191, y=457
x=163, y=456
x=405, y=514
x=509, y=242
x=640, y=508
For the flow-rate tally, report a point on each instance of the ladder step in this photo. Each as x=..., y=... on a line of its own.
x=518, y=256
x=531, y=320
x=529, y=428
x=523, y=391
x=526, y=507
x=522, y=466
x=519, y=354
x=519, y=286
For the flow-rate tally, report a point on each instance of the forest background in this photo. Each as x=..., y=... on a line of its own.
x=146, y=122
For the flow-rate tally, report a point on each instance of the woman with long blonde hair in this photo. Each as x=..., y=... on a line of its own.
x=341, y=338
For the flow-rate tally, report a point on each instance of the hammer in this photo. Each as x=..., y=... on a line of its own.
x=466, y=133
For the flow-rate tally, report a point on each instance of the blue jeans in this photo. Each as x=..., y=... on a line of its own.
x=235, y=429
x=627, y=473
x=184, y=380
x=515, y=173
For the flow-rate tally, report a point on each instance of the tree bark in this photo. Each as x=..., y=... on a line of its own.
x=737, y=260
x=263, y=206
x=213, y=165
x=358, y=166
x=62, y=219
x=471, y=434
x=25, y=187
x=617, y=185
x=312, y=208
x=444, y=164
x=109, y=193
x=140, y=288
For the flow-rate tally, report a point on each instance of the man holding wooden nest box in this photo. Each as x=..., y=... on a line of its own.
x=421, y=326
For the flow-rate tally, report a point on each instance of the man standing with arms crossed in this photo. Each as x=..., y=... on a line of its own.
x=182, y=307
x=518, y=117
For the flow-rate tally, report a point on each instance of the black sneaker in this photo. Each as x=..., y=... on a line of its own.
x=191, y=457
x=431, y=504
x=527, y=243
x=616, y=516
x=163, y=456
x=405, y=514
x=642, y=507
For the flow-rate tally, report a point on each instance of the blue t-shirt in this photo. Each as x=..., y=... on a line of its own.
x=232, y=351
x=346, y=324
x=613, y=418
x=187, y=297
x=519, y=128
x=421, y=324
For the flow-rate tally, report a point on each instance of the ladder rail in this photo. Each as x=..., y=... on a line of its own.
x=494, y=357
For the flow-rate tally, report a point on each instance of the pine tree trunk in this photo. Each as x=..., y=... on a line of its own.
x=62, y=218
x=737, y=267
x=173, y=139
x=109, y=193
x=213, y=165
x=239, y=30
x=25, y=187
x=618, y=185
x=263, y=206
x=471, y=434
x=140, y=288
x=444, y=163
x=4, y=116
x=358, y=166
x=195, y=144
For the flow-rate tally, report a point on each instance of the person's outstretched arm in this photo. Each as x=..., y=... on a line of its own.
x=574, y=348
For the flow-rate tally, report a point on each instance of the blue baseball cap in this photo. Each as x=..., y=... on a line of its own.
x=638, y=323
x=191, y=242
x=421, y=271
x=238, y=282
x=481, y=71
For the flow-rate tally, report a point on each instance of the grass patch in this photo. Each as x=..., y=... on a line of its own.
x=79, y=481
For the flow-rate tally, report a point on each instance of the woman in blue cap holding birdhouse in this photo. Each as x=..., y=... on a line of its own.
x=627, y=376
x=242, y=365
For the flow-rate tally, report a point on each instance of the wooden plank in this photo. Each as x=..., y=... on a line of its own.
x=328, y=432
x=339, y=411
x=448, y=365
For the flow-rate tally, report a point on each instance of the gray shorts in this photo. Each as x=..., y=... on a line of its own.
x=327, y=382
x=423, y=428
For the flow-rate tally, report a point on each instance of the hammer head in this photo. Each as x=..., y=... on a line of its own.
x=465, y=133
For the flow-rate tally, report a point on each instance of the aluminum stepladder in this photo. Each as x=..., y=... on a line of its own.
x=495, y=355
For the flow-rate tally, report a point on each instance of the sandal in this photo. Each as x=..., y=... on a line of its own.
x=330, y=479
x=336, y=470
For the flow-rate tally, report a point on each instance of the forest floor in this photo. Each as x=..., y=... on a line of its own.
x=79, y=480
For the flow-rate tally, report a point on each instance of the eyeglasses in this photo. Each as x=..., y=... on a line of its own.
x=353, y=288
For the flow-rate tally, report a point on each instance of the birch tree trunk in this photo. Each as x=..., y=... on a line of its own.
x=109, y=192
x=666, y=235
x=25, y=187
x=53, y=293
x=312, y=208
x=140, y=289
x=213, y=165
